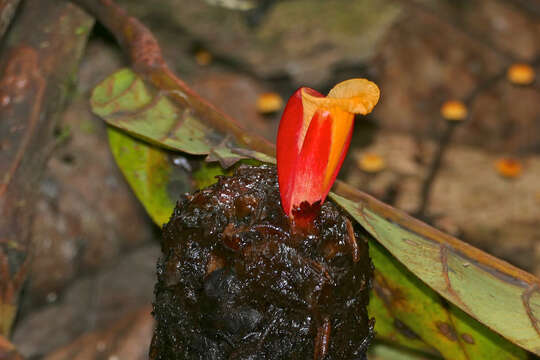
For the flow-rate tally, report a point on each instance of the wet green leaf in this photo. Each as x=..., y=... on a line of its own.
x=385, y=351
x=409, y=300
x=420, y=315
x=480, y=291
x=206, y=174
x=127, y=103
x=157, y=183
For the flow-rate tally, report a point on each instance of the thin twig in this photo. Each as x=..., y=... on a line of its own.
x=147, y=60
x=425, y=192
x=444, y=141
x=447, y=134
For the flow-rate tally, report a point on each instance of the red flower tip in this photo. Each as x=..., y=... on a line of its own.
x=313, y=137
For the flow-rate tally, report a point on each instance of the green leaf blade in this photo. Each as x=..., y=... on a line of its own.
x=150, y=174
x=460, y=280
x=124, y=101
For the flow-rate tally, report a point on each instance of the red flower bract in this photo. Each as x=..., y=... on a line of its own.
x=314, y=135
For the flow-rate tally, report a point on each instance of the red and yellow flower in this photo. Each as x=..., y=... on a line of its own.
x=314, y=136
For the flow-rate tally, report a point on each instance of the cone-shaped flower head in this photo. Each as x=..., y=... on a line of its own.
x=314, y=135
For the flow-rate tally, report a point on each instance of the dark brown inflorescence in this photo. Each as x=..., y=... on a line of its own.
x=236, y=281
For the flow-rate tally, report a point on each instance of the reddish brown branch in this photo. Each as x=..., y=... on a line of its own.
x=146, y=57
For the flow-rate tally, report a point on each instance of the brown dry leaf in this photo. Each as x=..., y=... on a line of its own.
x=39, y=59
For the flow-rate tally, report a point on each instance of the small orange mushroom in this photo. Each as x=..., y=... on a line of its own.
x=509, y=167
x=371, y=163
x=269, y=103
x=520, y=74
x=454, y=110
x=203, y=57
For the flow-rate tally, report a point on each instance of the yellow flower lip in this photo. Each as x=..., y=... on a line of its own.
x=356, y=96
x=347, y=98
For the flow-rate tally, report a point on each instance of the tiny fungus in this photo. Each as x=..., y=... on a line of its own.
x=520, y=74
x=509, y=167
x=371, y=163
x=269, y=103
x=313, y=137
x=203, y=57
x=454, y=110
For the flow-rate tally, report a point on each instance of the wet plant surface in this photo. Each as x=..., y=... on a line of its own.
x=235, y=281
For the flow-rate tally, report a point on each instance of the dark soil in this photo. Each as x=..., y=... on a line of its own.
x=235, y=281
